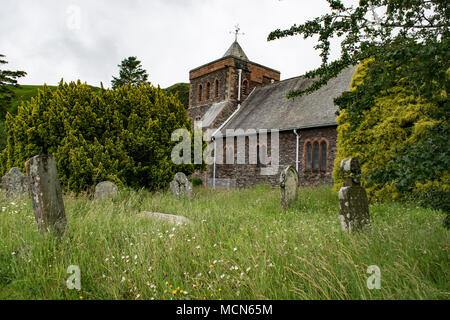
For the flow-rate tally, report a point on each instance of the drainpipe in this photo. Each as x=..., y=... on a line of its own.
x=298, y=141
x=239, y=86
x=214, y=167
x=223, y=124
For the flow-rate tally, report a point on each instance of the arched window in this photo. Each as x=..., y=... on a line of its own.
x=261, y=156
x=316, y=155
x=208, y=88
x=323, y=156
x=200, y=89
x=228, y=156
x=244, y=87
x=309, y=155
x=216, y=89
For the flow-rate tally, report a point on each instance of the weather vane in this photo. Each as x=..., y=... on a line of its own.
x=236, y=32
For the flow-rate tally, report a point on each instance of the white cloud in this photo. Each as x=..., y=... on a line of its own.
x=170, y=37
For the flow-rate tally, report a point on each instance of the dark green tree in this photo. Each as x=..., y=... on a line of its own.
x=8, y=80
x=121, y=135
x=395, y=33
x=405, y=47
x=130, y=73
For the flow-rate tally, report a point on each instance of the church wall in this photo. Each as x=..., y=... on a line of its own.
x=220, y=75
x=248, y=175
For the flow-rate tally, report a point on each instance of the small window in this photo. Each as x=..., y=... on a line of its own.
x=261, y=156
x=228, y=156
x=244, y=87
x=200, y=89
x=316, y=156
x=208, y=88
x=216, y=89
x=309, y=155
x=323, y=156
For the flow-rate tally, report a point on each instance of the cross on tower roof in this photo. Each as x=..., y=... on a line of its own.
x=236, y=32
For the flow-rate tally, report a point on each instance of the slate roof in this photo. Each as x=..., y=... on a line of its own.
x=236, y=50
x=212, y=113
x=268, y=108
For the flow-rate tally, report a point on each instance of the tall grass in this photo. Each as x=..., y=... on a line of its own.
x=239, y=246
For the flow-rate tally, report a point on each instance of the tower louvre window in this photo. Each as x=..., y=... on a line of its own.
x=244, y=87
x=216, y=89
x=200, y=89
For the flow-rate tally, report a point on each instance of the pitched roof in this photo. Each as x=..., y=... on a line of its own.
x=268, y=108
x=212, y=113
x=235, y=50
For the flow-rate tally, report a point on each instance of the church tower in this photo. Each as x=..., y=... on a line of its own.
x=214, y=87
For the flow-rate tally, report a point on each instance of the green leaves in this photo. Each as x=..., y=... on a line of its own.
x=8, y=79
x=373, y=26
x=131, y=73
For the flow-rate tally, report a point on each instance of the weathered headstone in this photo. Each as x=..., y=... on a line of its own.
x=181, y=186
x=105, y=190
x=14, y=183
x=46, y=195
x=353, y=201
x=288, y=187
x=167, y=217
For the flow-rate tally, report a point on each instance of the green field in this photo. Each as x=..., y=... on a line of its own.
x=239, y=246
x=25, y=93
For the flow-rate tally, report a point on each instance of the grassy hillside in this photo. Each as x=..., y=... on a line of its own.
x=25, y=93
x=239, y=246
x=183, y=92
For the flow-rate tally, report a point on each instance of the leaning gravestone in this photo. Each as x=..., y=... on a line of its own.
x=14, y=183
x=288, y=187
x=181, y=186
x=105, y=190
x=46, y=196
x=353, y=201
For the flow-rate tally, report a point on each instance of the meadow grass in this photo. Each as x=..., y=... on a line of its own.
x=239, y=246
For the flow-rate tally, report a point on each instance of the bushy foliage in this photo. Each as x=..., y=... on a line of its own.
x=196, y=181
x=182, y=89
x=400, y=138
x=122, y=135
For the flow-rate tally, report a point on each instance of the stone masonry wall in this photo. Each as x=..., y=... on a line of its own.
x=248, y=175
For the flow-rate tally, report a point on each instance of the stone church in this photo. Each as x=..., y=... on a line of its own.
x=234, y=94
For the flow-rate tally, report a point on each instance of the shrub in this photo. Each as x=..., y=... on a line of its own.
x=196, y=181
x=401, y=140
x=122, y=135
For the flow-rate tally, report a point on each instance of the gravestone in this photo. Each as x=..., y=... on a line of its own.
x=167, y=217
x=181, y=186
x=14, y=183
x=353, y=202
x=288, y=187
x=105, y=190
x=46, y=196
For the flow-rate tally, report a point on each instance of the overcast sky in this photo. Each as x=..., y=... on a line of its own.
x=86, y=40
